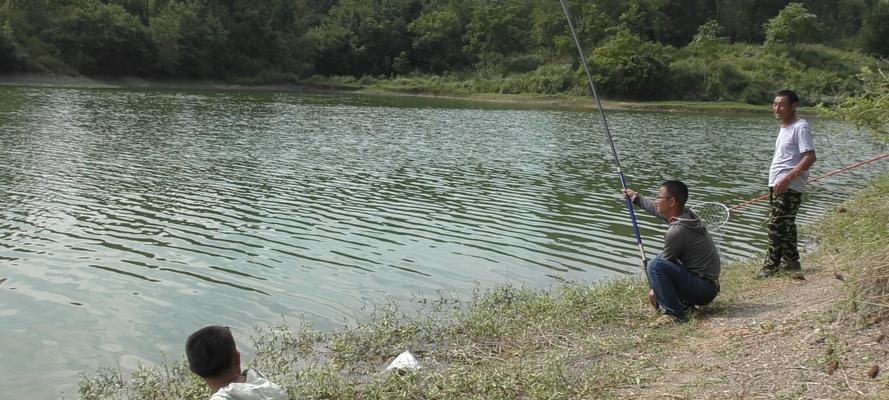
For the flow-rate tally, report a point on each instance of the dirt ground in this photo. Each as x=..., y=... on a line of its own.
x=782, y=340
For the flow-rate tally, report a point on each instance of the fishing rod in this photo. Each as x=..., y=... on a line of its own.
x=843, y=169
x=620, y=173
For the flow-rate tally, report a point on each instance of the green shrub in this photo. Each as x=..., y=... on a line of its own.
x=627, y=65
x=548, y=79
x=523, y=63
x=688, y=79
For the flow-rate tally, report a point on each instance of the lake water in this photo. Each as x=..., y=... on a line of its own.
x=129, y=218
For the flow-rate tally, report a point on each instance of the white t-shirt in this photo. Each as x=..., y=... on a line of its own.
x=792, y=142
x=256, y=387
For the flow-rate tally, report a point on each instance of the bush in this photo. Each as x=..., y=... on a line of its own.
x=548, y=79
x=523, y=63
x=687, y=81
x=630, y=66
x=757, y=93
x=100, y=38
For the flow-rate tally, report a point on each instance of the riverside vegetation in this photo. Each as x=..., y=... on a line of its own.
x=818, y=335
x=710, y=50
x=575, y=341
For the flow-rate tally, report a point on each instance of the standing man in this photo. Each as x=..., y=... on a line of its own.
x=213, y=356
x=686, y=273
x=794, y=155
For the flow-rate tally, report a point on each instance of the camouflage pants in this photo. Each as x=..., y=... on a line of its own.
x=782, y=228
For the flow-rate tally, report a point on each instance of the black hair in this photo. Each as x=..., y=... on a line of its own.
x=677, y=190
x=210, y=351
x=791, y=96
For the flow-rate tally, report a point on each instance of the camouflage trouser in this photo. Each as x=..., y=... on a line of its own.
x=782, y=228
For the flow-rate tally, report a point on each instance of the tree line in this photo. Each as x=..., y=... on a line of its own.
x=634, y=45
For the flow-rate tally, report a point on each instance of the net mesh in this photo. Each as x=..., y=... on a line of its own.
x=714, y=215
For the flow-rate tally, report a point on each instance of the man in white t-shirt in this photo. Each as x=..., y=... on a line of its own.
x=794, y=155
x=213, y=356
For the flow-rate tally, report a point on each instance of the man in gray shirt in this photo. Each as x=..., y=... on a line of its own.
x=794, y=155
x=686, y=273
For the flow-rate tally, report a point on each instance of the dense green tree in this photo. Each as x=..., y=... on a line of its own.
x=99, y=38
x=839, y=18
x=682, y=17
x=793, y=25
x=875, y=30
x=165, y=33
x=376, y=32
x=743, y=19
x=706, y=42
x=644, y=18
x=709, y=35
x=9, y=58
x=497, y=29
x=868, y=108
x=548, y=23
x=523, y=43
x=202, y=42
x=331, y=48
x=628, y=65
x=438, y=40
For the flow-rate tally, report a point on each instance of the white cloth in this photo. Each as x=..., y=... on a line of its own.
x=257, y=387
x=792, y=142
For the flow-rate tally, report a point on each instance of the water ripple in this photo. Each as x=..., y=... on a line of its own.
x=118, y=206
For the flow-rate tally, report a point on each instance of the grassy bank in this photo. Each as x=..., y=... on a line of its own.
x=789, y=337
x=512, y=89
x=389, y=87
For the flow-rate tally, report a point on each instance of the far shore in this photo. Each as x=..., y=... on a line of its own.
x=531, y=100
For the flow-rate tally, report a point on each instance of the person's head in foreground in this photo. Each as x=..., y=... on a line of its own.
x=211, y=352
x=213, y=356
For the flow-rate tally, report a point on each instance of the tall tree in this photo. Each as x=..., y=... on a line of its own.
x=438, y=40
x=99, y=38
x=874, y=33
x=497, y=29
x=793, y=25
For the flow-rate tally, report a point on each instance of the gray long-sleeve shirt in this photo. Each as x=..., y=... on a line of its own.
x=687, y=242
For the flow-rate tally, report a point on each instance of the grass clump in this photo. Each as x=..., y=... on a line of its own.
x=855, y=234
x=465, y=348
x=165, y=381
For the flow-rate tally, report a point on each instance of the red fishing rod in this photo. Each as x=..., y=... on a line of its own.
x=844, y=169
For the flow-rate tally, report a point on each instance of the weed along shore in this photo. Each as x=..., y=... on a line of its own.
x=395, y=87
x=821, y=334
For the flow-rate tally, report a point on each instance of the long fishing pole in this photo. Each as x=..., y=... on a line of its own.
x=620, y=173
x=843, y=169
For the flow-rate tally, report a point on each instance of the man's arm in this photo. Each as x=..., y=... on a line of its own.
x=803, y=166
x=644, y=203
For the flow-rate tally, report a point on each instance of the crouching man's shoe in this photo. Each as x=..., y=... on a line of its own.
x=667, y=319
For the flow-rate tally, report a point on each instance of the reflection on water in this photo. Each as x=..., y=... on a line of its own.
x=129, y=218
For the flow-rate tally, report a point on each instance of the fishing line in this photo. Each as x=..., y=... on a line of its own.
x=620, y=173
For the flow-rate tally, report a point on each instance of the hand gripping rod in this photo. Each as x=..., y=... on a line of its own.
x=620, y=173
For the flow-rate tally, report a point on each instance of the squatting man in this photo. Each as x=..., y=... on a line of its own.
x=686, y=272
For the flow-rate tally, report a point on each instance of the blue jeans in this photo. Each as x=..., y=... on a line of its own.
x=676, y=288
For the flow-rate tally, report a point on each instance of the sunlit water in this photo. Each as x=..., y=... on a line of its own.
x=130, y=218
